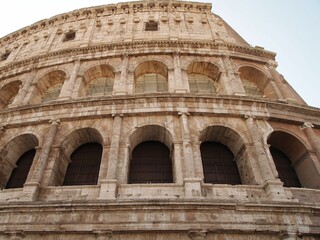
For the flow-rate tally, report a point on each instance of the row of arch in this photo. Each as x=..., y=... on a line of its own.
x=149, y=77
x=151, y=157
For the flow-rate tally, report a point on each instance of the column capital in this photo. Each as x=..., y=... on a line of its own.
x=124, y=56
x=225, y=56
x=197, y=234
x=2, y=128
x=176, y=53
x=183, y=112
x=271, y=64
x=247, y=116
x=103, y=234
x=54, y=121
x=113, y=115
x=78, y=60
x=306, y=125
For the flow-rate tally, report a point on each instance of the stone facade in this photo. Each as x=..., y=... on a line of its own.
x=84, y=76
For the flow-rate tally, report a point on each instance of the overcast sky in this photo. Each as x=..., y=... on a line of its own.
x=287, y=27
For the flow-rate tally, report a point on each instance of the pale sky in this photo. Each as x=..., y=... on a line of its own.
x=287, y=27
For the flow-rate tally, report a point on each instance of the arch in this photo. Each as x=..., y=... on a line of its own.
x=152, y=140
x=203, y=77
x=48, y=87
x=151, y=76
x=84, y=165
x=69, y=145
x=98, y=80
x=285, y=147
x=256, y=83
x=227, y=145
x=8, y=93
x=151, y=133
x=218, y=164
x=12, y=152
x=186, y=62
x=225, y=135
x=151, y=163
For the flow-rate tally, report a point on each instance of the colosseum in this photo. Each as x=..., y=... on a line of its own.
x=152, y=120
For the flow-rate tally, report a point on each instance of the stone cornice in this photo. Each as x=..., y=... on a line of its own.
x=219, y=106
x=225, y=220
x=160, y=46
x=112, y=9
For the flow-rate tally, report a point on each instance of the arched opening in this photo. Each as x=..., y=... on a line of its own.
x=52, y=93
x=20, y=172
x=220, y=148
x=151, y=155
x=294, y=163
x=203, y=77
x=218, y=164
x=286, y=172
x=16, y=159
x=151, y=163
x=98, y=81
x=48, y=87
x=8, y=93
x=151, y=77
x=80, y=153
x=84, y=166
x=256, y=83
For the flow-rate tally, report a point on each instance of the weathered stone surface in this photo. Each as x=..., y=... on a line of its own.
x=99, y=75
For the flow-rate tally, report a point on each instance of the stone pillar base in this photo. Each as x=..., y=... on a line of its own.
x=275, y=191
x=192, y=188
x=120, y=93
x=108, y=189
x=180, y=91
x=30, y=191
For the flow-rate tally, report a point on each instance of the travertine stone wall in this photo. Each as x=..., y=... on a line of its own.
x=112, y=42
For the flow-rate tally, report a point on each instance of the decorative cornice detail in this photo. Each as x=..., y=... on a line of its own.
x=184, y=46
x=306, y=125
x=111, y=10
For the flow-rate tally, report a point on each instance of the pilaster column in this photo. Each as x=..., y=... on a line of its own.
x=186, y=142
x=314, y=140
x=20, y=98
x=31, y=188
x=192, y=185
x=234, y=85
x=130, y=82
x=178, y=87
x=276, y=89
x=260, y=156
x=287, y=92
x=2, y=130
x=68, y=85
x=264, y=173
x=108, y=189
x=120, y=87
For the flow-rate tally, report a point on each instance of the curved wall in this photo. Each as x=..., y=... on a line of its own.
x=171, y=72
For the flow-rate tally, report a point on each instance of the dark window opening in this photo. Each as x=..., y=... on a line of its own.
x=85, y=165
x=286, y=172
x=20, y=173
x=69, y=36
x=218, y=164
x=151, y=26
x=151, y=163
x=4, y=56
